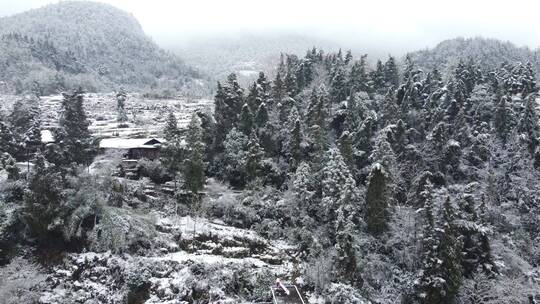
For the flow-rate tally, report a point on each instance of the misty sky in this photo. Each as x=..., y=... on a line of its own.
x=386, y=24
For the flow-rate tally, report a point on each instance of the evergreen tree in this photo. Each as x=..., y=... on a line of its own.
x=173, y=151
x=502, y=119
x=430, y=283
x=121, y=98
x=338, y=187
x=32, y=137
x=245, y=123
x=171, y=131
x=264, y=84
x=74, y=137
x=172, y=156
x=261, y=117
x=345, y=144
x=291, y=85
x=313, y=111
x=303, y=187
x=253, y=99
x=235, y=158
x=473, y=233
x=254, y=157
x=528, y=123
x=194, y=166
x=410, y=69
x=377, y=201
x=377, y=77
x=348, y=57
x=440, y=277
x=318, y=108
x=258, y=93
x=8, y=163
x=347, y=262
x=8, y=141
x=278, y=89
x=338, y=86
x=295, y=145
x=23, y=114
x=391, y=74
x=358, y=77
x=450, y=251
x=228, y=102
x=43, y=200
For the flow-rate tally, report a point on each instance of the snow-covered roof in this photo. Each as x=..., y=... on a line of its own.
x=47, y=136
x=129, y=143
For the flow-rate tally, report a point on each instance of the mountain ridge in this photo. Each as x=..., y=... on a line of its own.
x=490, y=51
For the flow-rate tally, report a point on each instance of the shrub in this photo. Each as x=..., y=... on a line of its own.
x=137, y=278
x=154, y=170
x=121, y=230
x=20, y=282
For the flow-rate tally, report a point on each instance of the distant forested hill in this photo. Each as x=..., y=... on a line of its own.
x=84, y=43
x=490, y=52
x=244, y=53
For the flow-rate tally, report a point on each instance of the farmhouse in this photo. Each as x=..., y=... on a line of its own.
x=135, y=148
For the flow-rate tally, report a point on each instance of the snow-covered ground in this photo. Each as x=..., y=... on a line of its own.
x=210, y=254
x=146, y=116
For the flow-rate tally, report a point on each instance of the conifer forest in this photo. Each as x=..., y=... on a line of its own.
x=262, y=169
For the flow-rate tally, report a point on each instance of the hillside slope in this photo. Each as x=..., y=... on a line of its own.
x=108, y=44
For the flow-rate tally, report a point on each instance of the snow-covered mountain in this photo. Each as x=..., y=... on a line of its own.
x=84, y=43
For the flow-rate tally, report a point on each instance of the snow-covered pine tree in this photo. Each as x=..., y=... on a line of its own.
x=528, y=123
x=171, y=131
x=8, y=141
x=8, y=163
x=295, y=145
x=345, y=144
x=358, y=80
x=43, y=200
x=32, y=137
x=254, y=157
x=430, y=283
x=338, y=186
x=391, y=73
x=245, y=121
x=173, y=151
x=194, y=166
x=290, y=83
x=279, y=90
x=502, y=120
x=346, y=247
x=338, y=86
x=450, y=253
x=235, y=158
x=121, y=98
x=74, y=137
x=441, y=273
x=348, y=57
x=377, y=78
x=261, y=116
x=228, y=102
x=303, y=187
x=377, y=213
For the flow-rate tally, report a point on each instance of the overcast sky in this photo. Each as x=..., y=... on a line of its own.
x=395, y=24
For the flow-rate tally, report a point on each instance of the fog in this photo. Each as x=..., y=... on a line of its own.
x=392, y=26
